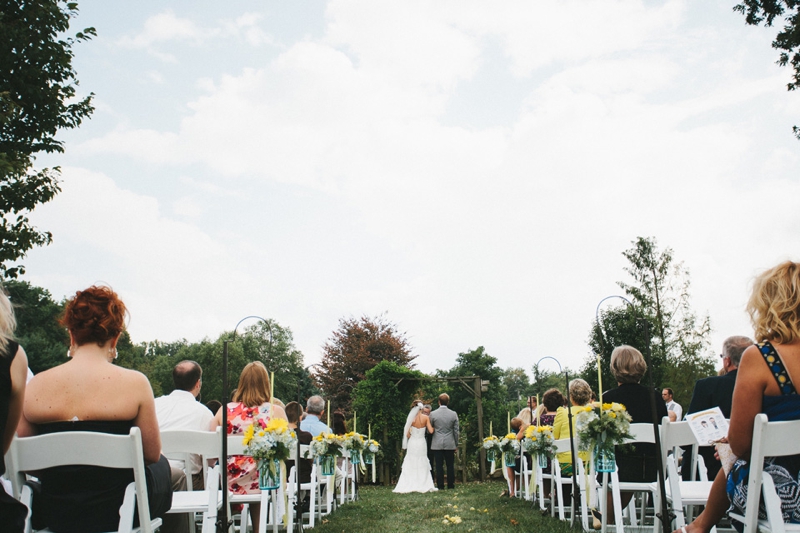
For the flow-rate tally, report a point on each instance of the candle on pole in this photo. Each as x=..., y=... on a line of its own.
x=272, y=390
x=538, y=417
x=600, y=380
x=355, y=425
x=491, y=431
x=329, y=413
x=509, y=421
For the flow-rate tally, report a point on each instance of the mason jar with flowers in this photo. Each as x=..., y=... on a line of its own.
x=269, y=443
x=539, y=441
x=601, y=427
x=509, y=447
x=354, y=444
x=492, y=446
x=327, y=447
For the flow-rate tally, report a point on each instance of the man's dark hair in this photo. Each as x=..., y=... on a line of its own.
x=186, y=374
x=669, y=391
x=293, y=412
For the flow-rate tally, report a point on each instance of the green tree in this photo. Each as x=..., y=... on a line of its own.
x=355, y=347
x=382, y=400
x=517, y=385
x=38, y=331
x=678, y=339
x=496, y=408
x=787, y=42
x=37, y=100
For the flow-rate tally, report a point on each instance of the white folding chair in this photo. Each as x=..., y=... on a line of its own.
x=30, y=454
x=642, y=434
x=682, y=494
x=563, y=445
x=270, y=500
x=181, y=445
x=770, y=439
x=293, y=490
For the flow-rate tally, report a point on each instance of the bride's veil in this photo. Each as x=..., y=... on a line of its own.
x=411, y=416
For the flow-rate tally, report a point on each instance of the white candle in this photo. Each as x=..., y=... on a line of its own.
x=600, y=381
x=355, y=425
x=329, y=414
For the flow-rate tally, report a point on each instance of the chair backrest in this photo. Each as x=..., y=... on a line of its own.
x=770, y=439
x=236, y=445
x=673, y=436
x=185, y=441
x=89, y=448
x=642, y=432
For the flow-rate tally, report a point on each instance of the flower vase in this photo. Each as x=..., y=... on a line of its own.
x=369, y=457
x=355, y=457
x=604, y=458
x=490, y=455
x=543, y=460
x=328, y=464
x=269, y=474
x=510, y=459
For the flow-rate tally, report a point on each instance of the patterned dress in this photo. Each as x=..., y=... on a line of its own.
x=242, y=470
x=785, y=471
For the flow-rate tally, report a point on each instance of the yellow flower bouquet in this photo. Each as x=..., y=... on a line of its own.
x=539, y=441
x=602, y=427
x=269, y=443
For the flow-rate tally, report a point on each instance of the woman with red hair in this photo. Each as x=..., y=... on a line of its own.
x=90, y=393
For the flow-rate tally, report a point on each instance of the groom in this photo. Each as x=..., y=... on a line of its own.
x=445, y=441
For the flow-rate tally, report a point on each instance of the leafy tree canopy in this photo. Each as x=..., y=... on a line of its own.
x=355, y=347
x=787, y=41
x=37, y=99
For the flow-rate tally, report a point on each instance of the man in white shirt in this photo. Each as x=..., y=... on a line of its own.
x=181, y=410
x=673, y=407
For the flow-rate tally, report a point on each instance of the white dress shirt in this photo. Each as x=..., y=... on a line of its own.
x=180, y=410
x=676, y=408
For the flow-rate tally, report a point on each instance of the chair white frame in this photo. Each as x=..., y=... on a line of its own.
x=30, y=454
x=563, y=445
x=680, y=493
x=293, y=491
x=181, y=444
x=268, y=499
x=770, y=439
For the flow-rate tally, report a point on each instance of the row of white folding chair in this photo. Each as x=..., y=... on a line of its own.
x=770, y=439
x=558, y=481
x=181, y=445
x=30, y=454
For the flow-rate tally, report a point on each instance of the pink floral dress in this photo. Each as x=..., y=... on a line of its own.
x=242, y=471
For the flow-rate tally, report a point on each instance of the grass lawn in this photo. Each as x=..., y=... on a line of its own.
x=478, y=505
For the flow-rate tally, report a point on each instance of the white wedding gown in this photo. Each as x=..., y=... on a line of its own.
x=416, y=474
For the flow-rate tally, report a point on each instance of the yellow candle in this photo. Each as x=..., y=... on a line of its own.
x=369, y=427
x=600, y=381
x=329, y=413
x=537, y=411
x=509, y=422
x=272, y=389
x=491, y=431
x=355, y=425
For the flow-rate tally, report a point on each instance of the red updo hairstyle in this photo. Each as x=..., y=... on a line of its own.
x=94, y=315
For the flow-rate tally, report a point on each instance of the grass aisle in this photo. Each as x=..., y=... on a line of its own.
x=477, y=505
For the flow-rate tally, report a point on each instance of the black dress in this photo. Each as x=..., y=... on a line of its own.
x=87, y=499
x=12, y=512
x=637, y=463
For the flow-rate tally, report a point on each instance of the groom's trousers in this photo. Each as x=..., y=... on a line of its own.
x=448, y=457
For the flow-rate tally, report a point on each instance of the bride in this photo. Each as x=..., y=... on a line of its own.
x=416, y=474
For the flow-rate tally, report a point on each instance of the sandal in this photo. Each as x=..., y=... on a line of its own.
x=504, y=494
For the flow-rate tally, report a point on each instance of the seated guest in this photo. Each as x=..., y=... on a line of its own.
x=635, y=463
x=530, y=412
x=90, y=393
x=315, y=408
x=293, y=412
x=717, y=391
x=763, y=385
x=13, y=376
x=181, y=410
x=251, y=402
x=580, y=394
x=552, y=399
x=339, y=426
x=214, y=406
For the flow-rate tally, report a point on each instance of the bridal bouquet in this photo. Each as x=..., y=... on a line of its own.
x=603, y=425
x=271, y=440
x=539, y=441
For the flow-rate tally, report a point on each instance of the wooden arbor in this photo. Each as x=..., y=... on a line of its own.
x=475, y=386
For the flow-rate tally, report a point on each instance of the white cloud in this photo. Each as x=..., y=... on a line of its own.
x=165, y=27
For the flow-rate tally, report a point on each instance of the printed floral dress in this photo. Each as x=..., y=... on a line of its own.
x=242, y=470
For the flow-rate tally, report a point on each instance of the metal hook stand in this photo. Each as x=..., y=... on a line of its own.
x=666, y=515
x=224, y=523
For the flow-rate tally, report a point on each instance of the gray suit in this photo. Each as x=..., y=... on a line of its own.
x=444, y=444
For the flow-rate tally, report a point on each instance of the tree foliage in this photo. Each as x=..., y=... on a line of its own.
x=37, y=99
x=517, y=384
x=677, y=337
x=355, y=347
x=787, y=42
x=382, y=400
x=37, y=314
x=478, y=362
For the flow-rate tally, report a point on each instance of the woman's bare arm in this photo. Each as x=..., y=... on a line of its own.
x=752, y=382
x=19, y=375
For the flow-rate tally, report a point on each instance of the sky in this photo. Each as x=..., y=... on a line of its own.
x=472, y=171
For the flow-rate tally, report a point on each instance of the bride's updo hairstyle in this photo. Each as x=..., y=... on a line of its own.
x=94, y=315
